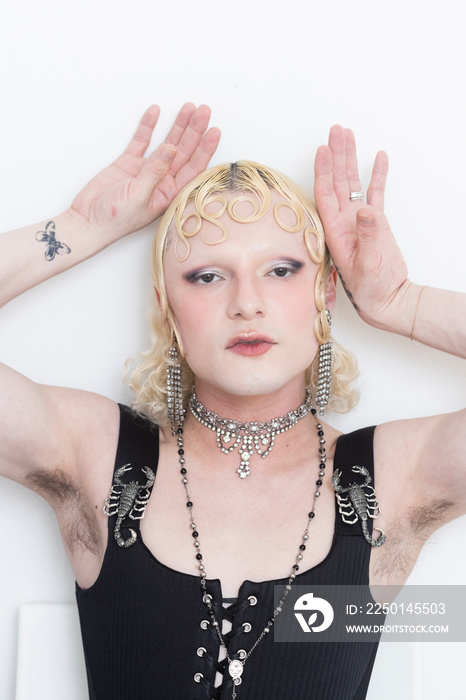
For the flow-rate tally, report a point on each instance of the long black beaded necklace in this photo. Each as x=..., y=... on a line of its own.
x=236, y=666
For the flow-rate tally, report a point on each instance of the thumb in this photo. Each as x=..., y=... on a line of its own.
x=154, y=169
x=367, y=226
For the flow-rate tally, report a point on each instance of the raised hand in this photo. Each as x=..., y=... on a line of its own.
x=134, y=190
x=366, y=256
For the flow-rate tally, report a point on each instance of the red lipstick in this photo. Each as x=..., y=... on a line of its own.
x=250, y=344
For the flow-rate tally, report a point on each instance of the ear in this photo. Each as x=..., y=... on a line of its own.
x=158, y=297
x=331, y=289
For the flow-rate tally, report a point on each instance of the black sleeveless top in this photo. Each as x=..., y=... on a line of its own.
x=147, y=633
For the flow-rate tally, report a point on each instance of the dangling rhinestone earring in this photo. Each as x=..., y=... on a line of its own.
x=176, y=412
x=324, y=375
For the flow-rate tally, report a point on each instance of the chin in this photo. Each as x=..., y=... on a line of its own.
x=255, y=384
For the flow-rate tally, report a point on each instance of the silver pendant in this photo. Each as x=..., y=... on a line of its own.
x=235, y=669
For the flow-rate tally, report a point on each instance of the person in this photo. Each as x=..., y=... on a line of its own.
x=224, y=452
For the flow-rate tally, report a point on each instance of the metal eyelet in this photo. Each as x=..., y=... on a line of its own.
x=247, y=627
x=242, y=653
x=252, y=600
x=198, y=677
x=204, y=624
x=201, y=651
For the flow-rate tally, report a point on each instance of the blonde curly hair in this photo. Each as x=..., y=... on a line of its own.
x=253, y=183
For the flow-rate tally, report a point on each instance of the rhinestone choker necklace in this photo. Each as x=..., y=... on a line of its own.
x=247, y=437
x=236, y=666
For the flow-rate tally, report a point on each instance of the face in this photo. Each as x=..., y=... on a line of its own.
x=245, y=308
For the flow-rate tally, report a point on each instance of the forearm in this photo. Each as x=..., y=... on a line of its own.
x=434, y=317
x=34, y=253
x=124, y=197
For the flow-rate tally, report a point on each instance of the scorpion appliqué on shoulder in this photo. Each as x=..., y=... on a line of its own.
x=360, y=503
x=128, y=500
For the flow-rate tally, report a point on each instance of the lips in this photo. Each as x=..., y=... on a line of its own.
x=250, y=344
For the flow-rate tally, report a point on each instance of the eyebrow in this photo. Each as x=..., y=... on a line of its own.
x=298, y=264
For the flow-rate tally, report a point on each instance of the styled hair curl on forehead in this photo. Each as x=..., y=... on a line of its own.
x=253, y=183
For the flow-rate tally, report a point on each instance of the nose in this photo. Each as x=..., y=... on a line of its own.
x=247, y=299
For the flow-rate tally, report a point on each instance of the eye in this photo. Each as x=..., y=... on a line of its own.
x=204, y=278
x=285, y=270
x=281, y=272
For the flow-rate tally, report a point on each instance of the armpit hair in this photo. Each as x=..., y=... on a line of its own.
x=55, y=486
x=423, y=519
x=77, y=520
x=81, y=530
x=405, y=540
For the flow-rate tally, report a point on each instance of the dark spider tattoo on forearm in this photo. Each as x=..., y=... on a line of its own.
x=53, y=246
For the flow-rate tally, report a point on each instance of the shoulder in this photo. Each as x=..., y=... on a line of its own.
x=420, y=468
x=420, y=446
x=356, y=441
x=79, y=441
x=75, y=476
x=138, y=440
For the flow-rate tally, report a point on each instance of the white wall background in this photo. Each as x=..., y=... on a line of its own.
x=75, y=78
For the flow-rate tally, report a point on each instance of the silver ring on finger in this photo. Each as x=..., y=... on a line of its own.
x=355, y=195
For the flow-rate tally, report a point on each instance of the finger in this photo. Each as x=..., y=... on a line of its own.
x=191, y=137
x=200, y=158
x=143, y=134
x=154, y=170
x=376, y=191
x=337, y=145
x=181, y=122
x=352, y=170
x=324, y=194
x=367, y=232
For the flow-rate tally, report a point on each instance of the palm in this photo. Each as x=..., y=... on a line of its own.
x=134, y=190
x=358, y=236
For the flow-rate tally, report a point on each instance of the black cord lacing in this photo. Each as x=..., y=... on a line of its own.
x=213, y=664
